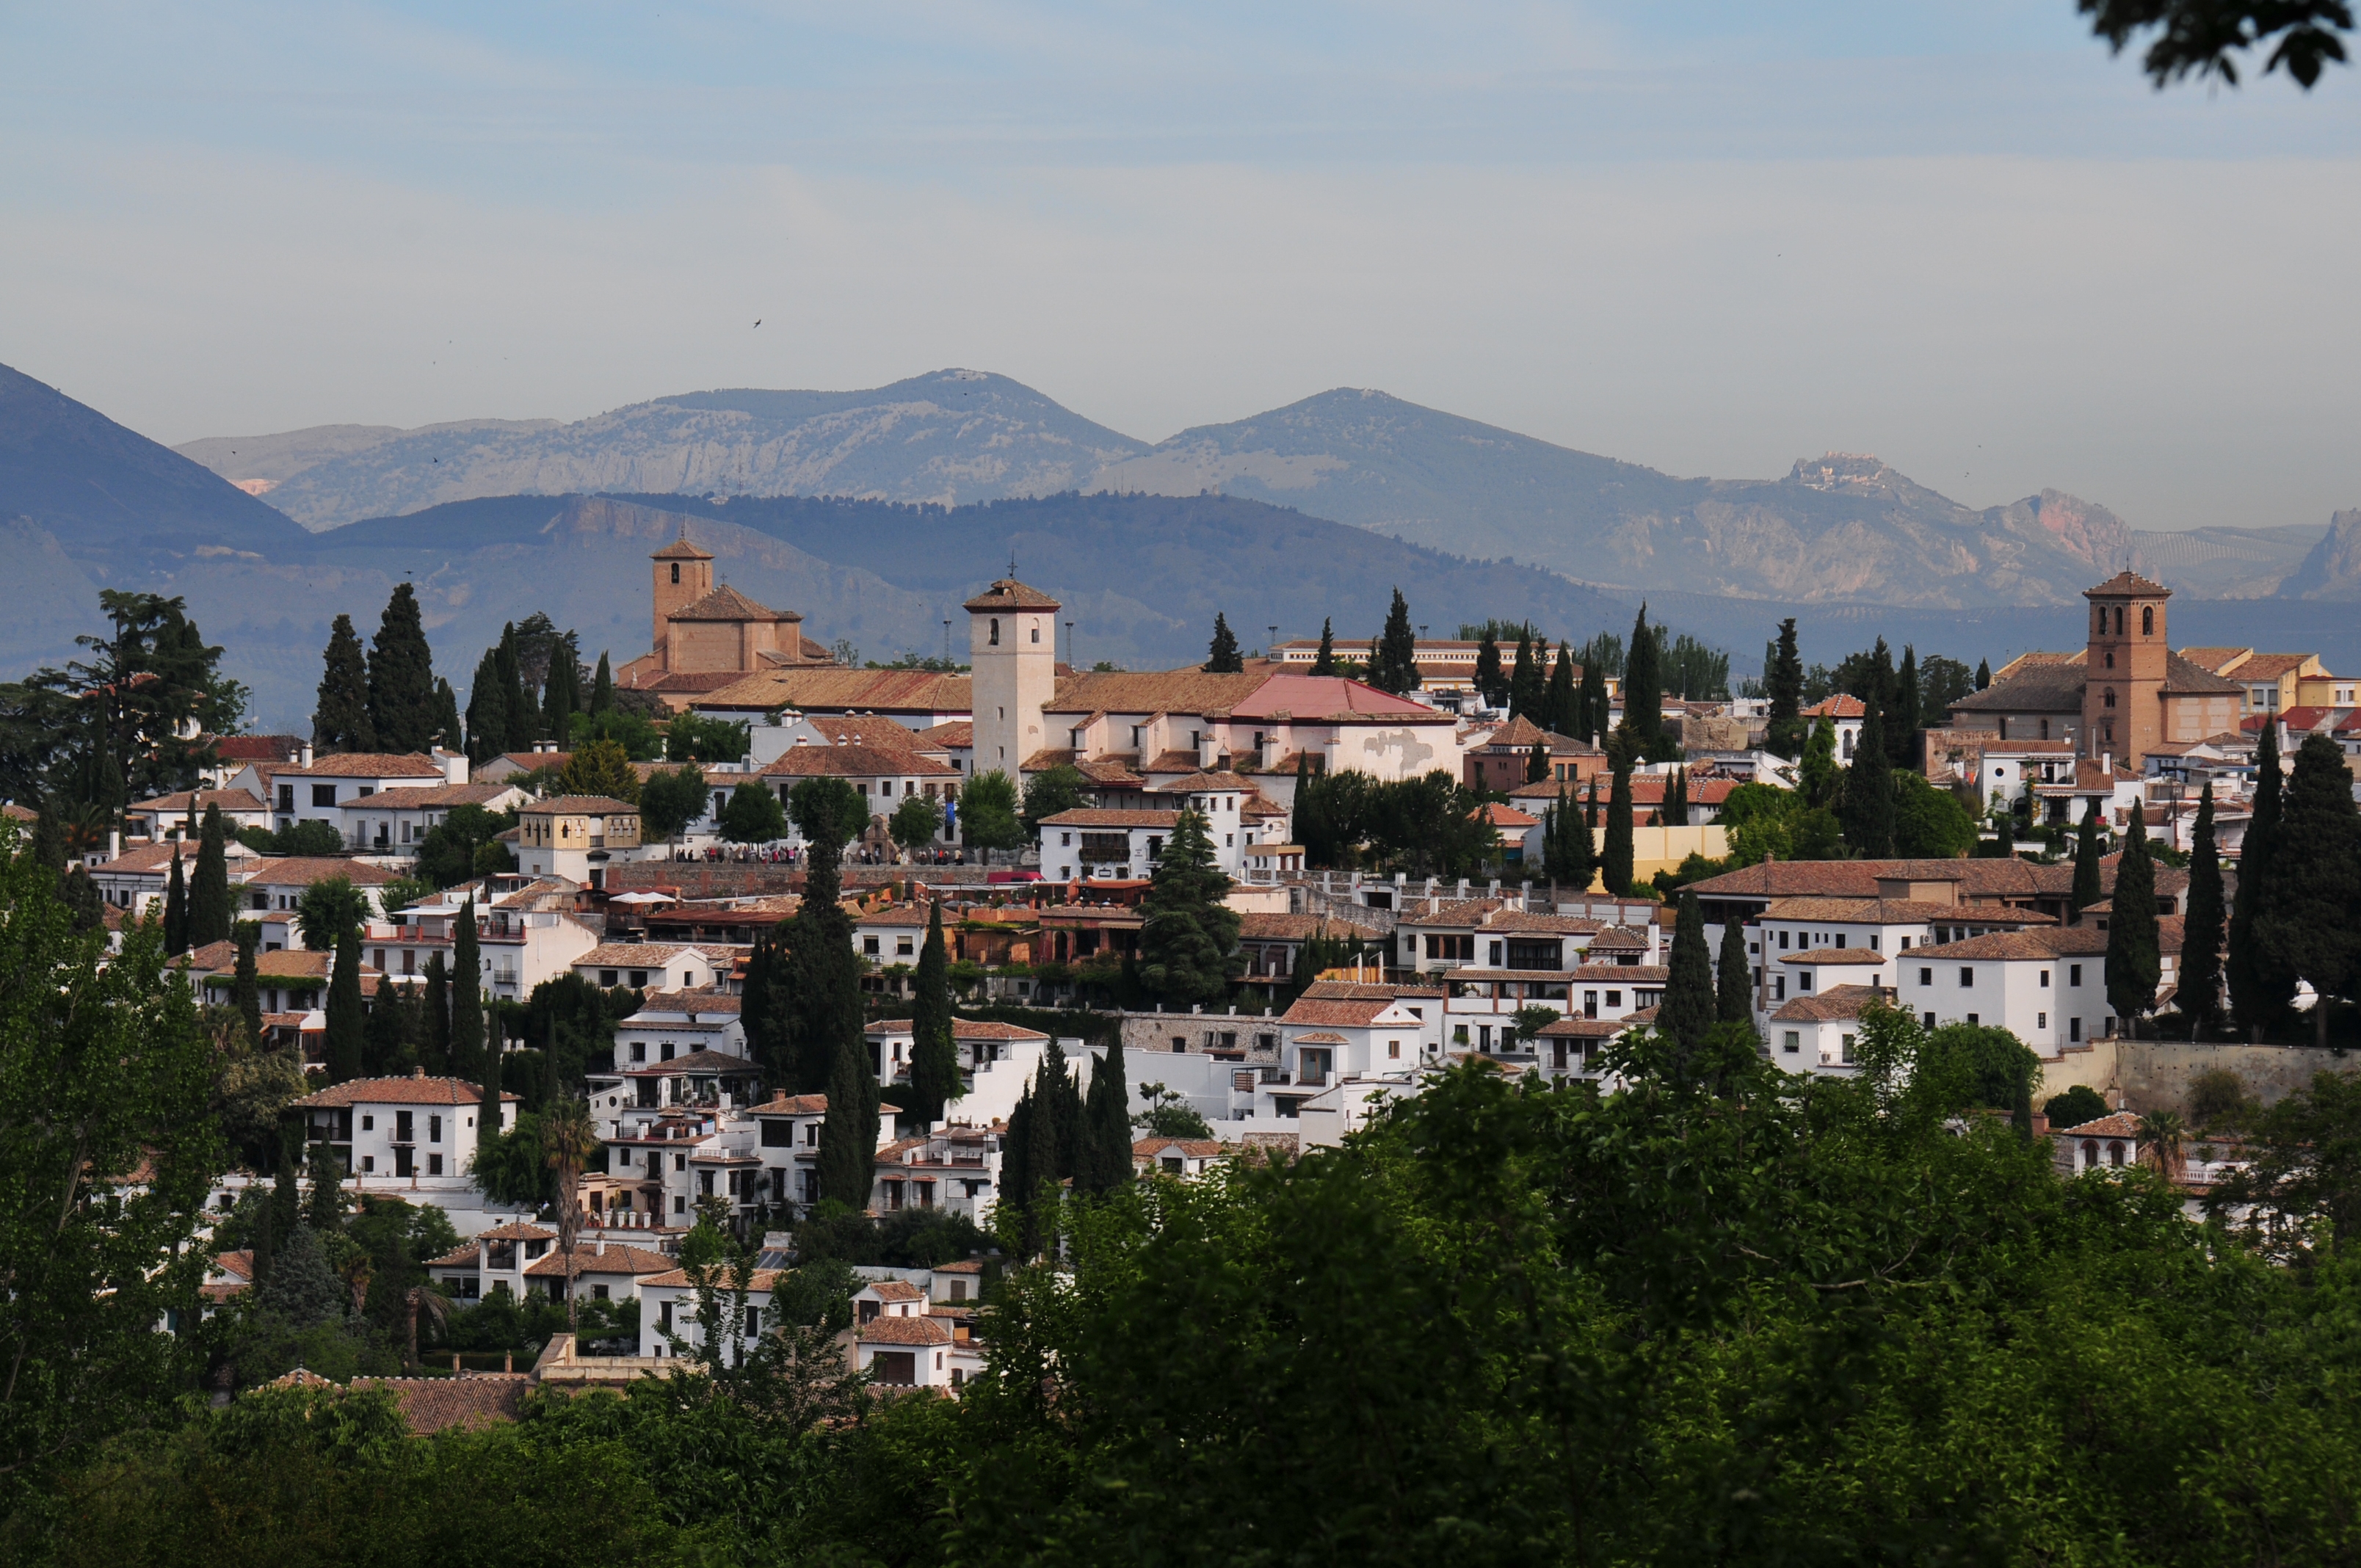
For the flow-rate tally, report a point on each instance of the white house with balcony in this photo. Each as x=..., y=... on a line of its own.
x=411, y=1138
x=273, y=891
x=395, y=822
x=526, y=933
x=313, y=788
x=659, y=966
x=576, y=836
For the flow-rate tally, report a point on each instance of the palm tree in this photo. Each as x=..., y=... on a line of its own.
x=433, y=1302
x=2161, y=1134
x=567, y=1142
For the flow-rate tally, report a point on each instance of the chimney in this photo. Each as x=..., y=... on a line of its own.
x=454, y=765
x=303, y=757
x=114, y=843
x=418, y=1072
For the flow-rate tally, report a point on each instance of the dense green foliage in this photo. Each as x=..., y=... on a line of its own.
x=341, y=720
x=1189, y=938
x=1222, y=657
x=934, y=1052
x=2202, y=930
x=1393, y=656
x=2308, y=923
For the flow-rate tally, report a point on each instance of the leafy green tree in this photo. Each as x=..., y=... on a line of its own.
x=2194, y=38
x=1615, y=859
x=1169, y=1114
x=2262, y=990
x=848, y=1137
x=1733, y=980
x=447, y=856
x=323, y=1201
x=988, y=816
x=821, y=1027
x=1222, y=657
x=403, y=709
x=523, y=714
x=934, y=1052
x=1189, y=937
x=636, y=733
x=601, y=768
x=1929, y=823
x=1983, y=675
x=1393, y=658
x=1051, y=791
x=693, y=738
x=2134, y=960
x=561, y=694
x=2088, y=849
x=2310, y=922
x=2076, y=1107
x=512, y=1164
x=753, y=815
x=1537, y=762
x=1689, y=1006
x=1868, y=793
x=330, y=909
x=2200, y=982
x=1324, y=663
x=347, y=1019
x=176, y=911
x=210, y=914
x=672, y=800
x=341, y=721
x=1782, y=683
x=302, y=1290
x=1816, y=777
x=447, y=732
x=2298, y=1193
x=107, y=1156
x=389, y=1036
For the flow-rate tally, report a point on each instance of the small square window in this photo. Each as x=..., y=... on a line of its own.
x=1925, y=977
x=1792, y=1041
x=1967, y=977
x=369, y=1162
x=369, y=1124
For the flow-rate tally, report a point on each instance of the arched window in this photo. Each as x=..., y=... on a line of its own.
x=676, y=574
x=2116, y=1153
x=2089, y=1153
x=2100, y=629
x=2110, y=658
x=996, y=632
x=2108, y=697
x=2148, y=620
x=1037, y=634
x=2119, y=621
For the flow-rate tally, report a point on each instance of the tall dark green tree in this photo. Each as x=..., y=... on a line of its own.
x=245, y=982
x=1903, y=722
x=1492, y=680
x=1689, y=1006
x=1733, y=979
x=447, y=732
x=1189, y=937
x=1782, y=683
x=1106, y=1127
x=523, y=714
x=1569, y=853
x=1643, y=689
x=2310, y=922
x=2088, y=849
x=603, y=687
x=1222, y=656
x=822, y=1019
x=2135, y=963
x=848, y=1134
x=1324, y=663
x=1526, y=688
x=2261, y=988
x=561, y=694
x=1563, y=705
x=2200, y=982
x=1983, y=675
x=1675, y=810
x=176, y=911
x=341, y=720
x=434, y=1023
x=1590, y=703
x=1615, y=857
x=1537, y=762
x=762, y=1012
x=210, y=914
x=1393, y=660
x=488, y=711
x=466, y=999
x=1868, y=793
x=402, y=698
x=934, y=1052
x=348, y=1019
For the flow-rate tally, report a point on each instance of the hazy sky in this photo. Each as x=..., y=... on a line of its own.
x=1708, y=237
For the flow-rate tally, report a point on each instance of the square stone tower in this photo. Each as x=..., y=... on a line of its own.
x=1012, y=640
x=684, y=573
x=2125, y=670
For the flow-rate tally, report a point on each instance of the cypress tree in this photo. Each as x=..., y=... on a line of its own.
x=346, y=1019
x=1689, y=1005
x=603, y=687
x=1782, y=682
x=1590, y=816
x=823, y=1016
x=2260, y=989
x=1569, y=854
x=1643, y=689
x=1106, y=1115
x=1733, y=980
x=210, y=915
x=1055, y=1092
x=561, y=696
x=435, y=1029
x=488, y=711
x=1562, y=704
x=848, y=1136
x=1902, y=726
x=1041, y=1156
x=1222, y=657
x=2134, y=964
x=1325, y=662
x=1675, y=810
x=245, y=985
x=1491, y=682
x=286, y=1198
x=2088, y=848
x=1189, y=942
x=389, y=1034
x=934, y=1050
x=1393, y=661
x=1615, y=859
x=2200, y=983
x=1983, y=675
x=522, y=714
x=757, y=1007
x=2310, y=922
x=176, y=912
x=401, y=698
x=447, y=732
x=1590, y=702
x=1537, y=762
x=1525, y=690
x=467, y=1043
x=1016, y=1153
x=341, y=721
x=1868, y=793
x=323, y=1206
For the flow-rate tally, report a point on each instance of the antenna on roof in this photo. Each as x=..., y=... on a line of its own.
x=1011, y=563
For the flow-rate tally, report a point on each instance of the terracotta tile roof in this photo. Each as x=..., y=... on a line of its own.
x=303, y=870
x=696, y=1004
x=619, y=1258
x=2034, y=945
x=2128, y=584
x=2044, y=683
x=882, y=1330
x=516, y=1230
x=1514, y=922
x=471, y=1401
x=726, y=603
x=229, y=800
x=1208, y=784
x=2217, y=660
x=1345, y=1015
x=1449, y=911
x=1326, y=699
x=680, y=550
x=1193, y=1148
x=463, y=1256
x=1839, y=1002
x=1321, y=1038
x=987, y=1029
x=695, y=1062
x=1110, y=816
x=758, y=1282
x=855, y=762
x=1362, y=990
x=159, y=858
x=411, y=1091
x=2114, y=1124
x=1254, y=927
x=1821, y=956
x=951, y=735
x=1008, y=594
x=646, y=955
x=1500, y=816
x=1902, y=912
x=836, y=689
x=2010, y=878
x=2186, y=676
x=1620, y=939
x=893, y=1290
x=871, y=729
x=257, y=747
x=1602, y=974
x=1584, y=1028
x=791, y=1105
x=578, y=805
x=1150, y=693
x=365, y=765
x=2267, y=667
x=1843, y=705
x=427, y=798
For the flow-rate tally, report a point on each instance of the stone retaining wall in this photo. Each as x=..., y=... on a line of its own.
x=2154, y=1075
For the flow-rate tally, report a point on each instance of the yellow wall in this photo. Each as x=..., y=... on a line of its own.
x=1657, y=850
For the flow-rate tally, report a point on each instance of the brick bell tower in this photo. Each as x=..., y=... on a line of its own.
x=684, y=573
x=2124, y=670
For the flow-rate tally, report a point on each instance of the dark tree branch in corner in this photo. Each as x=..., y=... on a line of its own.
x=2198, y=38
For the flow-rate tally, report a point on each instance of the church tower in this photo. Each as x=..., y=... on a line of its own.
x=2124, y=669
x=684, y=573
x=1012, y=641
